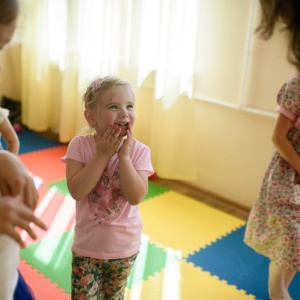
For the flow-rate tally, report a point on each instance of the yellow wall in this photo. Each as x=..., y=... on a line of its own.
x=233, y=147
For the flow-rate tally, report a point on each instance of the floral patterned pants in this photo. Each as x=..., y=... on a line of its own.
x=97, y=279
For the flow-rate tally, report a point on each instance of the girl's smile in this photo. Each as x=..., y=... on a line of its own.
x=124, y=127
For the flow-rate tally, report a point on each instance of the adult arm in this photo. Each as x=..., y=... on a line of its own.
x=15, y=179
x=13, y=212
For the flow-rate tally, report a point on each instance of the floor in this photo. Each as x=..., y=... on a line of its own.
x=192, y=242
x=205, y=197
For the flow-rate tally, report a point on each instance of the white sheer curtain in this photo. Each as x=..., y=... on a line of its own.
x=66, y=43
x=128, y=38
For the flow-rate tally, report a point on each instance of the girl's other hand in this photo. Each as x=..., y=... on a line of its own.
x=108, y=144
x=127, y=145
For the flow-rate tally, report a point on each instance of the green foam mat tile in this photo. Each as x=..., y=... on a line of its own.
x=151, y=260
x=61, y=186
x=52, y=257
x=154, y=190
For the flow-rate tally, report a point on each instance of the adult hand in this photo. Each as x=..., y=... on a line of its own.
x=15, y=179
x=13, y=212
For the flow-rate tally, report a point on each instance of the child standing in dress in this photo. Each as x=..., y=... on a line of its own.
x=107, y=174
x=273, y=227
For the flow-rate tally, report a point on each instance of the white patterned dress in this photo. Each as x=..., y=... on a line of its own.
x=273, y=227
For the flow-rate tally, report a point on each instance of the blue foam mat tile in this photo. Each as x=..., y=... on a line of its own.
x=230, y=259
x=31, y=141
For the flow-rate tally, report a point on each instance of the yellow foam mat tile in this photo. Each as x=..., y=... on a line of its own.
x=183, y=281
x=182, y=223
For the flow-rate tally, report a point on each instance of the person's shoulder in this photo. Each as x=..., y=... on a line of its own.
x=82, y=140
x=140, y=148
x=139, y=144
x=294, y=80
x=290, y=87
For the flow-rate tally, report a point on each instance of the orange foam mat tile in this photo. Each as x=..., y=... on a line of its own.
x=46, y=164
x=42, y=287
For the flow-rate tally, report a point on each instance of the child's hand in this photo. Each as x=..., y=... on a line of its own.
x=127, y=145
x=108, y=144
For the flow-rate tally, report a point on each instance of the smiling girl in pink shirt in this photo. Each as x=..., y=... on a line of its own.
x=107, y=174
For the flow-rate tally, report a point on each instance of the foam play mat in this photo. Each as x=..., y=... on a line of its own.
x=190, y=251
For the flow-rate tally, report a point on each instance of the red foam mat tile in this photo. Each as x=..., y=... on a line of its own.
x=49, y=209
x=42, y=287
x=46, y=164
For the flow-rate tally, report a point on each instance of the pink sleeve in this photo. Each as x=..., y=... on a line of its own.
x=73, y=151
x=285, y=112
x=141, y=159
x=288, y=100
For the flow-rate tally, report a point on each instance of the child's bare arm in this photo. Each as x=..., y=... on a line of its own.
x=134, y=184
x=10, y=136
x=82, y=179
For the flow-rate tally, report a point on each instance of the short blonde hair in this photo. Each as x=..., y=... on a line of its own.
x=98, y=88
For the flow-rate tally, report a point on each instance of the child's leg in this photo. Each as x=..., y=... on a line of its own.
x=100, y=279
x=288, y=277
x=85, y=278
x=278, y=278
x=115, y=277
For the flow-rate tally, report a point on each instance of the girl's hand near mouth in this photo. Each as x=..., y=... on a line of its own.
x=127, y=145
x=108, y=144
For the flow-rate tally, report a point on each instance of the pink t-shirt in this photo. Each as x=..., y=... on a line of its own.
x=107, y=226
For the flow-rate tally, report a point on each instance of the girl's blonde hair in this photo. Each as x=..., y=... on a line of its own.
x=99, y=89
